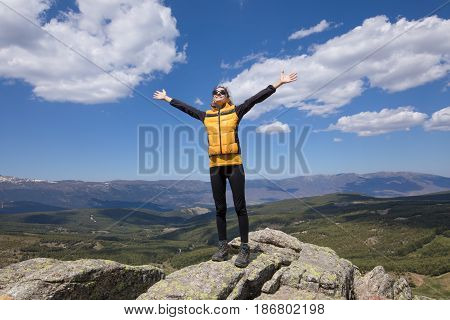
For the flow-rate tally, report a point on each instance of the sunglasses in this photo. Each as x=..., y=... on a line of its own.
x=219, y=92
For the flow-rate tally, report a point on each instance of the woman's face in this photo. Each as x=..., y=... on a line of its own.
x=219, y=96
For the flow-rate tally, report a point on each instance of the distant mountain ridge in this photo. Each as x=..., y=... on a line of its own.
x=164, y=195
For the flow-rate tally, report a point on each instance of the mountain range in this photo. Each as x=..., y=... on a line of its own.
x=164, y=195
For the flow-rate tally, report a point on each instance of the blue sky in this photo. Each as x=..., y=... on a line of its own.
x=62, y=117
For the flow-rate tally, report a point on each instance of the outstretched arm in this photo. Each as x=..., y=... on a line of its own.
x=242, y=109
x=180, y=105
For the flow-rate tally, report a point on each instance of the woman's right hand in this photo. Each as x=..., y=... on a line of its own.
x=161, y=95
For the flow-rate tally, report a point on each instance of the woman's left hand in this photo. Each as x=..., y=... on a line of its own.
x=285, y=79
x=288, y=78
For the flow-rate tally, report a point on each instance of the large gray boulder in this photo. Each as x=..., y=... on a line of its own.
x=281, y=267
x=223, y=280
x=215, y=280
x=318, y=273
x=377, y=284
x=45, y=279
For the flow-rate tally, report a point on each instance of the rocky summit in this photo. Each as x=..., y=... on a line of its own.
x=281, y=267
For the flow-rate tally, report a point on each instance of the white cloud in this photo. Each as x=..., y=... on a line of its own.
x=130, y=39
x=323, y=25
x=199, y=102
x=415, y=58
x=238, y=64
x=274, y=127
x=440, y=120
x=337, y=140
x=374, y=123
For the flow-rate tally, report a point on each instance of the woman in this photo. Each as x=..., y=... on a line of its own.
x=225, y=161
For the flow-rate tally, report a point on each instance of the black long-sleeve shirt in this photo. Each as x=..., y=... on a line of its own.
x=241, y=109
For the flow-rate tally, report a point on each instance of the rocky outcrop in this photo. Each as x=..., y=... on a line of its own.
x=207, y=280
x=281, y=267
x=377, y=284
x=318, y=273
x=44, y=279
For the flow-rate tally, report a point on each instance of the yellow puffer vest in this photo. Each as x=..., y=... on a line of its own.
x=221, y=126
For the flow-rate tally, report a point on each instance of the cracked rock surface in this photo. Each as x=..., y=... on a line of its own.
x=48, y=279
x=281, y=267
x=377, y=284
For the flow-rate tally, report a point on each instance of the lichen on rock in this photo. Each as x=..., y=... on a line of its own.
x=48, y=279
x=281, y=267
x=377, y=284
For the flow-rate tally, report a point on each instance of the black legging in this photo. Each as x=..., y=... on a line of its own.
x=236, y=177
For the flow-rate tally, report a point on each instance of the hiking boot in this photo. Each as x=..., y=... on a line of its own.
x=243, y=258
x=222, y=254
